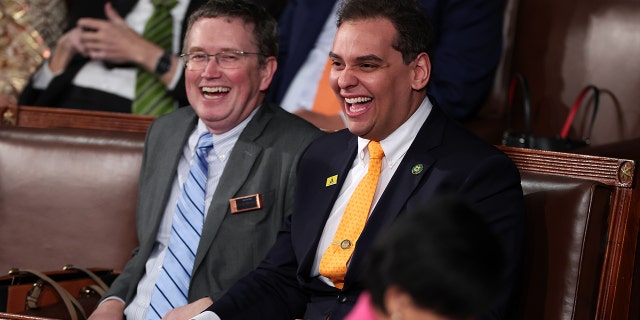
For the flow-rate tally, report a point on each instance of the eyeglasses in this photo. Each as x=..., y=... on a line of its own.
x=197, y=61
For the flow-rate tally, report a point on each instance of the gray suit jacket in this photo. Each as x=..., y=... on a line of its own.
x=263, y=161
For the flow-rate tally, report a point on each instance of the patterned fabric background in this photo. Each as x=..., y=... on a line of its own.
x=28, y=31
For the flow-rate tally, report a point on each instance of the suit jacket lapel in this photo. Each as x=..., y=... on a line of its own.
x=164, y=157
x=243, y=156
x=337, y=161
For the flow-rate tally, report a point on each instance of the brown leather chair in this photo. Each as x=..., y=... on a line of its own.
x=67, y=196
x=566, y=228
x=581, y=239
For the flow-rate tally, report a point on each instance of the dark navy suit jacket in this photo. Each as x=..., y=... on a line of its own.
x=454, y=160
x=62, y=93
x=467, y=43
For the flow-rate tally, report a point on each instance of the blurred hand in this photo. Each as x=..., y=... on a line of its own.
x=67, y=46
x=71, y=42
x=189, y=311
x=112, y=39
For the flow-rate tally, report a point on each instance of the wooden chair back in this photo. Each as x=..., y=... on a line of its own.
x=582, y=233
x=46, y=117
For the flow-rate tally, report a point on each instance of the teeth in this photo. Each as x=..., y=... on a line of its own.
x=354, y=108
x=215, y=89
x=357, y=100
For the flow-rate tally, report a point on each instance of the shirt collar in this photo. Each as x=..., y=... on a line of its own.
x=220, y=139
x=398, y=142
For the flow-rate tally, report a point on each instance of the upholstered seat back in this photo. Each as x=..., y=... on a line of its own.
x=566, y=232
x=67, y=196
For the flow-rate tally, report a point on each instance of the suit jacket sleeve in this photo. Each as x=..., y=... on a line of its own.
x=272, y=289
x=494, y=186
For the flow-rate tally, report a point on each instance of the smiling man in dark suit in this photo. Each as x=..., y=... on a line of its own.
x=467, y=45
x=380, y=70
x=243, y=189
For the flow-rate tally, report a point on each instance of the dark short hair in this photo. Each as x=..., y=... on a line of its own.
x=412, y=24
x=265, y=27
x=444, y=255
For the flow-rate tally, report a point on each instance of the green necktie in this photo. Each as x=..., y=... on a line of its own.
x=152, y=97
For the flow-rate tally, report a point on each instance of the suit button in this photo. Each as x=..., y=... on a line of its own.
x=342, y=299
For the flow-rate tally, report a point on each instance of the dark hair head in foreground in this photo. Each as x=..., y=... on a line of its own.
x=443, y=255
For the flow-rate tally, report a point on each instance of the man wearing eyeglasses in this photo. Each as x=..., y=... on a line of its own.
x=249, y=166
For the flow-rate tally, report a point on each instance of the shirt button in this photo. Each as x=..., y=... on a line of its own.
x=342, y=299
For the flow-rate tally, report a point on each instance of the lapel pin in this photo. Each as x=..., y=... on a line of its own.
x=332, y=180
x=417, y=168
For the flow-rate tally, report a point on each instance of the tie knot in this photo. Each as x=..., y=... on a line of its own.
x=205, y=141
x=167, y=4
x=375, y=150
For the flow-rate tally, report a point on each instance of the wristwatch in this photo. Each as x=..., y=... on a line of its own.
x=164, y=63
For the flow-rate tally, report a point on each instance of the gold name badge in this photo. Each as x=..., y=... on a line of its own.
x=246, y=203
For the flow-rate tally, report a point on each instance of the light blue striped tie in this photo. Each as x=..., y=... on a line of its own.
x=172, y=287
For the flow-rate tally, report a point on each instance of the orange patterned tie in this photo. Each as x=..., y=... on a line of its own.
x=333, y=264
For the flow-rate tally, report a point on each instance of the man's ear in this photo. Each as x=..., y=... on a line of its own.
x=421, y=71
x=267, y=71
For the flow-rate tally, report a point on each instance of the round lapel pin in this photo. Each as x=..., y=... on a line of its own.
x=417, y=168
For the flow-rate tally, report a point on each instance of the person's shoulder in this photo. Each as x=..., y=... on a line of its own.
x=275, y=128
x=333, y=140
x=291, y=123
x=457, y=144
x=181, y=116
x=185, y=112
x=456, y=135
